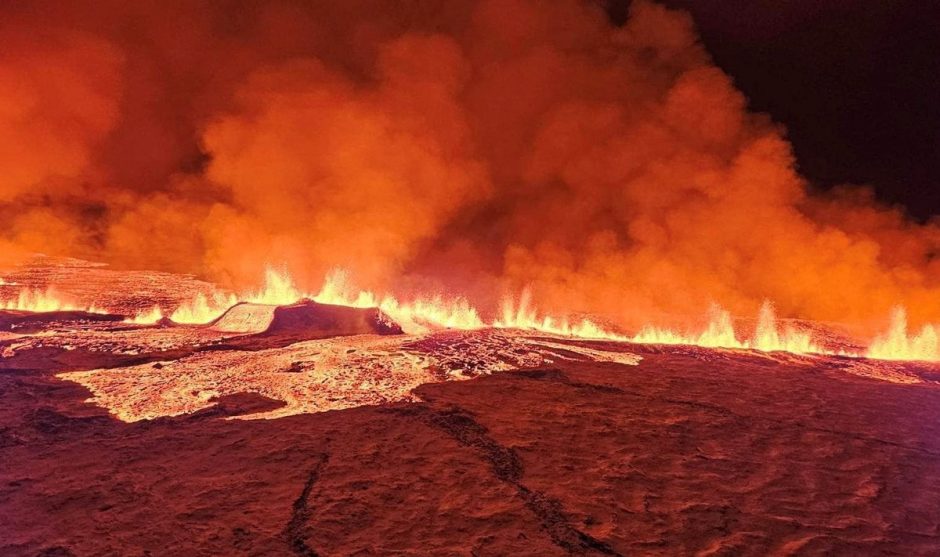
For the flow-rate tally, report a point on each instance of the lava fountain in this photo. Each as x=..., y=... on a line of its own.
x=421, y=314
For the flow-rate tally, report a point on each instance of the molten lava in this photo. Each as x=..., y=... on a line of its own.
x=148, y=317
x=203, y=308
x=40, y=301
x=720, y=333
x=898, y=344
x=426, y=313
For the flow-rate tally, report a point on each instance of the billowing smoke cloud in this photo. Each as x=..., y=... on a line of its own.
x=59, y=98
x=471, y=145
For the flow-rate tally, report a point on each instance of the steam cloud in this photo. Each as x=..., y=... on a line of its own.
x=478, y=146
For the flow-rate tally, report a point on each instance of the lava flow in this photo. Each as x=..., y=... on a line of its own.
x=428, y=313
x=432, y=313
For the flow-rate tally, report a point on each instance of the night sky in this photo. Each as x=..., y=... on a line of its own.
x=855, y=82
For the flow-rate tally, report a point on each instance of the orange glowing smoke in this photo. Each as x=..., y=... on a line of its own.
x=474, y=146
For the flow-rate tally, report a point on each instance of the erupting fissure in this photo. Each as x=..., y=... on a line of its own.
x=607, y=163
x=897, y=344
x=427, y=313
x=720, y=333
x=41, y=301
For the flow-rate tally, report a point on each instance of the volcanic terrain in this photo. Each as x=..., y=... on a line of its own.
x=317, y=429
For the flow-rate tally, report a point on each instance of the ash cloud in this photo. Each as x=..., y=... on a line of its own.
x=475, y=146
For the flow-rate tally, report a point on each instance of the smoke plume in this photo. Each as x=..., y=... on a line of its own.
x=474, y=146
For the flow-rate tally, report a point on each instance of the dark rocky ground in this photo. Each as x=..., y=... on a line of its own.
x=691, y=452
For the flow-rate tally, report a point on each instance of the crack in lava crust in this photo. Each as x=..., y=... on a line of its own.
x=508, y=468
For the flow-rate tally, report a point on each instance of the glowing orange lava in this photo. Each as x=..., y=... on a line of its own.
x=428, y=313
x=720, y=333
x=897, y=344
x=148, y=317
x=41, y=301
